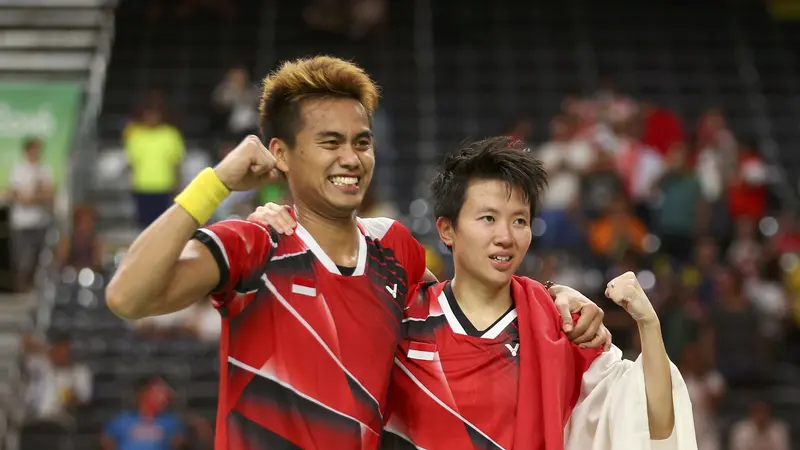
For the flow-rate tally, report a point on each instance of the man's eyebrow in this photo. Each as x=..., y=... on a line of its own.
x=329, y=134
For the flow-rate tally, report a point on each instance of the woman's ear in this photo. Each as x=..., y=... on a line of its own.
x=446, y=231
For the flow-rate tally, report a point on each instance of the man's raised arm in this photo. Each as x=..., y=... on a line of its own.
x=165, y=270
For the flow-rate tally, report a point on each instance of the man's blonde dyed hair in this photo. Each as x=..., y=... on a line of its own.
x=320, y=76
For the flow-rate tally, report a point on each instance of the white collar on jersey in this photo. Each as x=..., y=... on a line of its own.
x=326, y=260
x=455, y=325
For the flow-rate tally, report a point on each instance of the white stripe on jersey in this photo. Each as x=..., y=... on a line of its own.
x=304, y=290
x=316, y=336
x=455, y=325
x=263, y=228
x=217, y=241
x=272, y=377
x=376, y=227
x=441, y=403
x=421, y=319
x=288, y=255
x=420, y=354
x=501, y=325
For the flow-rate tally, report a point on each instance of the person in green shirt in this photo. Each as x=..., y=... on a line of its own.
x=682, y=205
x=154, y=150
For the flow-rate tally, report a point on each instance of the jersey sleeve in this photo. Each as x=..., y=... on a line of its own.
x=241, y=249
x=407, y=251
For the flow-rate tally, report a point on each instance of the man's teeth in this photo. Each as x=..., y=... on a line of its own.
x=344, y=181
x=501, y=258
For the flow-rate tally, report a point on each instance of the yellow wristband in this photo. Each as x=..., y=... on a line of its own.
x=203, y=195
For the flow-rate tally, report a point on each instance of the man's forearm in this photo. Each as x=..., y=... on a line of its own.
x=148, y=265
x=658, y=381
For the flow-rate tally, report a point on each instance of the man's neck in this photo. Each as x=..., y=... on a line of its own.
x=338, y=237
x=482, y=304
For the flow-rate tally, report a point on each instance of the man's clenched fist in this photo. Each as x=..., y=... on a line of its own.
x=248, y=166
x=626, y=291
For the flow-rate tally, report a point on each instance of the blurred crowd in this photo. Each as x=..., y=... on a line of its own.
x=632, y=187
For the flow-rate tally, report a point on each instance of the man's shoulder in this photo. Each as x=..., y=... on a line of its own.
x=378, y=227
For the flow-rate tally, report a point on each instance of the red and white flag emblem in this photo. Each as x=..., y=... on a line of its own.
x=303, y=286
x=421, y=350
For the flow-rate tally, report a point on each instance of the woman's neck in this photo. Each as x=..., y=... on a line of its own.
x=481, y=303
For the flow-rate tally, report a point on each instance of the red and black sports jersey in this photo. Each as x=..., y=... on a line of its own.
x=453, y=387
x=306, y=352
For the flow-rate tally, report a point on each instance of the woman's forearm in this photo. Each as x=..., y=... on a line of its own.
x=657, y=380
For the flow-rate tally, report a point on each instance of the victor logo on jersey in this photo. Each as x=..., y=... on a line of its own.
x=513, y=349
x=421, y=350
x=392, y=290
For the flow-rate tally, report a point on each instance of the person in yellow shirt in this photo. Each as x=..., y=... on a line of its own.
x=154, y=150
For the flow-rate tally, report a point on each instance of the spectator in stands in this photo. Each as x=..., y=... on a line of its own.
x=738, y=343
x=701, y=274
x=681, y=205
x=768, y=295
x=155, y=150
x=746, y=251
x=639, y=166
x=716, y=164
x=760, y=431
x=599, y=187
x=706, y=388
x=565, y=160
x=150, y=426
x=716, y=144
x=32, y=190
x=680, y=316
x=83, y=247
x=57, y=384
x=616, y=233
x=662, y=128
x=236, y=99
x=747, y=192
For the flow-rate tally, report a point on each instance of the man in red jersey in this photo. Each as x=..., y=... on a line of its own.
x=483, y=362
x=310, y=321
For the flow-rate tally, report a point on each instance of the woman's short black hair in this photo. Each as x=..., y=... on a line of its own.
x=497, y=158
